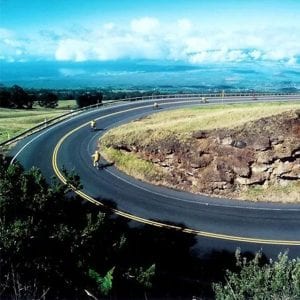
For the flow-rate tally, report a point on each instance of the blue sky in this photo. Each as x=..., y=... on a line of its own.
x=192, y=31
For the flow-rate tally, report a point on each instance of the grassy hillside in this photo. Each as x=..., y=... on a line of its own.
x=15, y=121
x=161, y=126
x=182, y=122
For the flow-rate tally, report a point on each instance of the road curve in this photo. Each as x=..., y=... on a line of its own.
x=70, y=144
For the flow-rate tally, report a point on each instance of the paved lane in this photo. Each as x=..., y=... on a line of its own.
x=223, y=219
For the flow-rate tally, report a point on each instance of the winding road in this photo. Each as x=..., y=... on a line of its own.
x=69, y=144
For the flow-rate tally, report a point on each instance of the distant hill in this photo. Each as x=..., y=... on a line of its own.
x=143, y=74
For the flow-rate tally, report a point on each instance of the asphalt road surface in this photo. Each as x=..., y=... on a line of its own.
x=219, y=224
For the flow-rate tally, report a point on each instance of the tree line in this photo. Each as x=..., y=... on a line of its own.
x=17, y=97
x=55, y=246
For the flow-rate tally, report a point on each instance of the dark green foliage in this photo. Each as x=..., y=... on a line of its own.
x=278, y=279
x=5, y=98
x=73, y=180
x=105, y=283
x=19, y=98
x=89, y=98
x=47, y=99
x=16, y=97
x=143, y=276
x=53, y=244
x=48, y=239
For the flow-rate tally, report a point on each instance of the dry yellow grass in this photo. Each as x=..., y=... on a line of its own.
x=132, y=165
x=182, y=122
x=285, y=194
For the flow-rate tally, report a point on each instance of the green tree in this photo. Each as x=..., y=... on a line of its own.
x=279, y=279
x=48, y=239
x=105, y=283
x=48, y=100
x=89, y=98
x=144, y=277
x=5, y=98
x=19, y=98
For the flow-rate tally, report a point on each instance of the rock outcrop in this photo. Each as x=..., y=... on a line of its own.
x=225, y=161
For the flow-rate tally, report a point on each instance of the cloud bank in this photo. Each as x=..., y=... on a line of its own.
x=151, y=38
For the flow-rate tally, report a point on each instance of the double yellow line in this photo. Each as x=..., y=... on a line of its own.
x=155, y=223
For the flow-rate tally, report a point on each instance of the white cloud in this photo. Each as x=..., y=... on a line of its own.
x=145, y=26
x=109, y=26
x=255, y=54
x=150, y=38
x=5, y=33
x=71, y=49
x=108, y=48
x=184, y=26
x=292, y=61
x=218, y=56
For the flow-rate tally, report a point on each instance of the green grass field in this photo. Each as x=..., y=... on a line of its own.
x=15, y=121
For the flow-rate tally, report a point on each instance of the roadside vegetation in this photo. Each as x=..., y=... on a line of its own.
x=256, y=279
x=15, y=121
x=22, y=109
x=54, y=246
x=133, y=166
x=289, y=193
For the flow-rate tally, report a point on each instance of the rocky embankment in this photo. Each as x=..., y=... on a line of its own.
x=226, y=161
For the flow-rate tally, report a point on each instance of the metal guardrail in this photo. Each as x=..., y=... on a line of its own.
x=43, y=125
x=63, y=117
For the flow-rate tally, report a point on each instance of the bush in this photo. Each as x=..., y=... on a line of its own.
x=87, y=99
x=278, y=279
x=48, y=100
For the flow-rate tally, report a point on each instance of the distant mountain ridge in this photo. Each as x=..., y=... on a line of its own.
x=141, y=74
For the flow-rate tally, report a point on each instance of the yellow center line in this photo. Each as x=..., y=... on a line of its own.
x=150, y=222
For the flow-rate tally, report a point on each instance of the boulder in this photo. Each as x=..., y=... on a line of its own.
x=276, y=140
x=239, y=144
x=261, y=143
x=259, y=168
x=242, y=170
x=283, y=150
x=265, y=157
x=256, y=179
x=293, y=173
x=227, y=140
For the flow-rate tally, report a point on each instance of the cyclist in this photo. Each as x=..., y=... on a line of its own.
x=93, y=125
x=155, y=105
x=96, y=158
